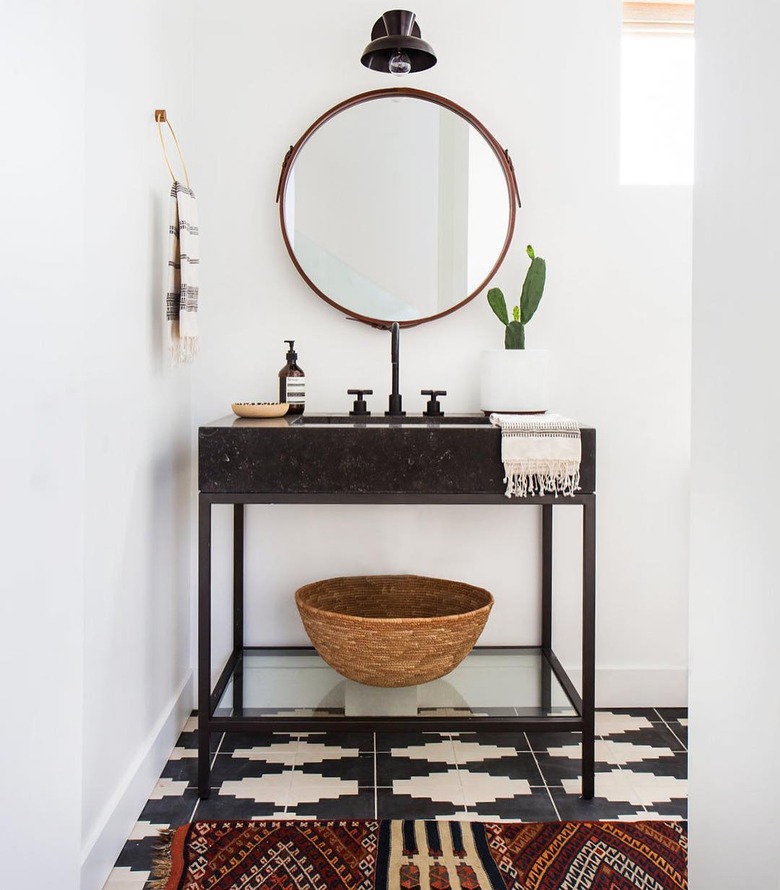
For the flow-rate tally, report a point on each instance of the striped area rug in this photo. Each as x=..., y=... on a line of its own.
x=417, y=855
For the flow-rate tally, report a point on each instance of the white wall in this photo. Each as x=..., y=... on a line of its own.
x=138, y=430
x=616, y=315
x=735, y=617
x=42, y=443
x=97, y=445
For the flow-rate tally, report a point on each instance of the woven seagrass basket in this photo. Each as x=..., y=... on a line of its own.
x=393, y=630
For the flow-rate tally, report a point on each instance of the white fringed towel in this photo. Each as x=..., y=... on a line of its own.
x=541, y=453
x=181, y=302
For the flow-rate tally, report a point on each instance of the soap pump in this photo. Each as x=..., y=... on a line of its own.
x=292, y=386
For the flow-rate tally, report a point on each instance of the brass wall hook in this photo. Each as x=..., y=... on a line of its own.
x=161, y=117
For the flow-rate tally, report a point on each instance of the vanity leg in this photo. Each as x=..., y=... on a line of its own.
x=547, y=533
x=204, y=643
x=238, y=577
x=547, y=562
x=238, y=608
x=588, y=645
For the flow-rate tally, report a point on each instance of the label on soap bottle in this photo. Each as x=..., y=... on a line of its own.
x=295, y=390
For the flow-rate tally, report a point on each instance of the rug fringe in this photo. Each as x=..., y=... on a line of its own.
x=162, y=861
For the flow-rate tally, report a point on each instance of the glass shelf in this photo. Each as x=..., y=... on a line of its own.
x=497, y=682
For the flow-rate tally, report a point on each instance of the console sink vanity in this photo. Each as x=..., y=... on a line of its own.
x=391, y=458
x=338, y=459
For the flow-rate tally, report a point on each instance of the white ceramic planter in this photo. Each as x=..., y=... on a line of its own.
x=514, y=380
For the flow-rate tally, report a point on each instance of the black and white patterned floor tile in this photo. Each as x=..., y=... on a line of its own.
x=641, y=770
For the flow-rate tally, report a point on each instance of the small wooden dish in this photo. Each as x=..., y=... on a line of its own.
x=260, y=409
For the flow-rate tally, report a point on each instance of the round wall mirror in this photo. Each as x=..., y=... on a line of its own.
x=397, y=205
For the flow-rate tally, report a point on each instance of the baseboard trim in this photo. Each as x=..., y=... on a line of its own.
x=101, y=849
x=640, y=687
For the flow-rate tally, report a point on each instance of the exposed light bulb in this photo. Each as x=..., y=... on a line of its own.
x=400, y=63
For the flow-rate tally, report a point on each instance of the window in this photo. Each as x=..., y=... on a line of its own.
x=657, y=73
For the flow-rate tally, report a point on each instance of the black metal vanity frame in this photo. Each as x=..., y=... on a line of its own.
x=208, y=698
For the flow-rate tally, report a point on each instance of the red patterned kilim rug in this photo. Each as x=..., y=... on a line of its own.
x=416, y=855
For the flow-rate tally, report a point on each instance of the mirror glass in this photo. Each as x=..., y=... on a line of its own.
x=397, y=205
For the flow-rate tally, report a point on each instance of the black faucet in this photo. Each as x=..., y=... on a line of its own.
x=394, y=409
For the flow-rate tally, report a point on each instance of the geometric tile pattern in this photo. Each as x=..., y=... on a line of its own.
x=126, y=879
x=641, y=773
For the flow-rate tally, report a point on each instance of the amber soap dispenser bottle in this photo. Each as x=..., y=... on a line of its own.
x=292, y=382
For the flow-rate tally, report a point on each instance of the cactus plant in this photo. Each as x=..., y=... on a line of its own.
x=533, y=288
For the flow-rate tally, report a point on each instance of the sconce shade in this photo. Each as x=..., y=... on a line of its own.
x=397, y=31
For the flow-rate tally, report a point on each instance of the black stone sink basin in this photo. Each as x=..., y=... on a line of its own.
x=343, y=455
x=382, y=420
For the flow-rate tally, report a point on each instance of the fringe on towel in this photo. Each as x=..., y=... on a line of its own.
x=182, y=349
x=181, y=299
x=523, y=478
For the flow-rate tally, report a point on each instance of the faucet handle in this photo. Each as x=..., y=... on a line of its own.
x=433, y=408
x=359, y=408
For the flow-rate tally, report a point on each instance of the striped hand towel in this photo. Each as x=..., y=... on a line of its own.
x=541, y=453
x=181, y=303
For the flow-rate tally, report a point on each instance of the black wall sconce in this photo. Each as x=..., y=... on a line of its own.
x=397, y=46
